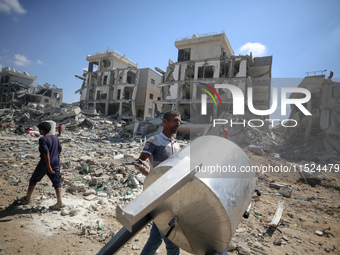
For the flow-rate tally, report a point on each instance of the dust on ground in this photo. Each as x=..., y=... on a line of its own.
x=88, y=224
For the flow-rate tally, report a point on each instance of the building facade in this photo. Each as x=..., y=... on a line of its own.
x=210, y=59
x=147, y=93
x=16, y=90
x=324, y=107
x=112, y=83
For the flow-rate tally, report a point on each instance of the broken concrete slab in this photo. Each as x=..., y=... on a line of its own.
x=312, y=178
x=90, y=197
x=78, y=187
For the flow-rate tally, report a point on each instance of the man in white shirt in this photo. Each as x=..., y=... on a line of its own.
x=157, y=149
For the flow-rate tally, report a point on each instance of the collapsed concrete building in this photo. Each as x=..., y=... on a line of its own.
x=16, y=90
x=210, y=59
x=114, y=85
x=324, y=106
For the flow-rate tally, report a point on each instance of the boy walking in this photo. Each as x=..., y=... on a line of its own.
x=50, y=149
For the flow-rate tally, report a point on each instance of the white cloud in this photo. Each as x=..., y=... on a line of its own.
x=1, y=66
x=21, y=60
x=9, y=6
x=257, y=49
x=40, y=62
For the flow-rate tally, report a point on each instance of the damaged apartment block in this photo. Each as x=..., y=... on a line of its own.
x=324, y=107
x=210, y=59
x=17, y=90
x=114, y=85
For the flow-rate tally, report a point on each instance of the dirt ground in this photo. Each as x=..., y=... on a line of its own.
x=31, y=230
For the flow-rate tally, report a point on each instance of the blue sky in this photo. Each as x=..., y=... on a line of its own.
x=51, y=39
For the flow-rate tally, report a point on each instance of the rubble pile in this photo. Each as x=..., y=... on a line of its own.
x=74, y=120
x=308, y=223
x=94, y=126
x=311, y=150
x=95, y=179
x=246, y=136
x=316, y=136
x=33, y=114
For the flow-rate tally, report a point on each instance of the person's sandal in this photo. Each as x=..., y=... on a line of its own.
x=24, y=201
x=56, y=207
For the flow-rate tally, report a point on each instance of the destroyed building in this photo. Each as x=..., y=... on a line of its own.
x=16, y=90
x=324, y=107
x=210, y=59
x=114, y=85
x=147, y=92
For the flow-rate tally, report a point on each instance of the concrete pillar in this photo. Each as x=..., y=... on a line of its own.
x=194, y=91
x=133, y=109
x=106, y=108
x=153, y=110
x=216, y=65
x=231, y=69
x=120, y=108
x=88, y=79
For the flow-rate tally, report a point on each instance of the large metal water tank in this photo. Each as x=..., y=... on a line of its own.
x=205, y=207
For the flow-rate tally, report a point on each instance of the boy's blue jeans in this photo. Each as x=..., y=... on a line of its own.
x=155, y=240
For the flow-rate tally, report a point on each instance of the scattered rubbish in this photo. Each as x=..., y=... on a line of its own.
x=277, y=241
x=277, y=217
x=95, y=148
x=318, y=233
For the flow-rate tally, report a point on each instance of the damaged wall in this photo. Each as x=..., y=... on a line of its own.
x=209, y=59
x=112, y=83
x=324, y=106
x=147, y=93
x=17, y=90
x=203, y=46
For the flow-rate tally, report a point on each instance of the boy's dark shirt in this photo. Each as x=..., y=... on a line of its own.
x=51, y=144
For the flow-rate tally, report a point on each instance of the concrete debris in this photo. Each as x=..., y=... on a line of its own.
x=89, y=201
x=277, y=241
x=17, y=91
x=318, y=132
x=277, y=217
x=94, y=182
x=79, y=187
x=311, y=177
x=256, y=150
x=110, y=129
x=65, y=212
x=135, y=247
x=243, y=249
x=283, y=189
x=232, y=246
x=96, y=179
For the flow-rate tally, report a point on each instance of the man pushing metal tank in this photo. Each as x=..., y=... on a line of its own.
x=196, y=197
